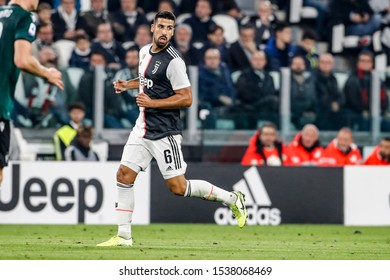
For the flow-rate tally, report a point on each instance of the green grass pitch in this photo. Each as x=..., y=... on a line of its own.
x=196, y=242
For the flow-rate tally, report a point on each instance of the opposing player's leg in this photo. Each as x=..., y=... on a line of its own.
x=135, y=158
x=169, y=157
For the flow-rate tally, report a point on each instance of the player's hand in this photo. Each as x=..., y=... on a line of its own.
x=120, y=86
x=55, y=78
x=143, y=100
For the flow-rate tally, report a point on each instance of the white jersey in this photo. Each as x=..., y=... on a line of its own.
x=160, y=74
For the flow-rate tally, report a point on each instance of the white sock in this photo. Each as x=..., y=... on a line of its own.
x=207, y=191
x=124, y=209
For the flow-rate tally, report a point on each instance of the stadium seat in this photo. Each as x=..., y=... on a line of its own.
x=181, y=18
x=150, y=16
x=340, y=41
x=235, y=75
x=230, y=26
x=299, y=12
x=64, y=49
x=341, y=78
x=276, y=77
x=75, y=75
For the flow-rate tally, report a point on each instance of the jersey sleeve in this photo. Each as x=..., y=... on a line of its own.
x=26, y=28
x=177, y=74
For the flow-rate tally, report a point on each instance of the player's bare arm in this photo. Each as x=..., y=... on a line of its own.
x=181, y=99
x=121, y=85
x=25, y=61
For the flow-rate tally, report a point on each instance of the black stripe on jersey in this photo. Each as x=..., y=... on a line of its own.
x=175, y=150
x=172, y=52
x=189, y=189
x=171, y=141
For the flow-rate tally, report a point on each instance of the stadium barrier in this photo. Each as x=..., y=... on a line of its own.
x=46, y=192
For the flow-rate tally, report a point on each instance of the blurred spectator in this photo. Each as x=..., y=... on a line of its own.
x=80, y=148
x=279, y=48
x=126, y=21
x=305, y=148
x=329, y=97
x=44, y=12
x=265, y=148
x=257, y=98
x=223, y=6
x=200, y=21
x=304, y=104
x=381, y=153
x=46, y=107
x=81, y=52
x=307, y=49
x=241, y=51
x=114, y=109
x=382, y=7
x=182, y=42
x=187, y=6
x=97, y=14
x=358, y=17
x=322, y=7
x=341, y=151
x=67, y=22
x=64, y=135
x=142, y=36
x=2, y=2
x=105, y=43
x=128, y=73
x=217, y=41
x=216, y=90
x=358, y=92
x=265, y=22
x=166, y=5
x=44, y=38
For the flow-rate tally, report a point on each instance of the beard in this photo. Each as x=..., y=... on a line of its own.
x=159, y=44
x=385, y=157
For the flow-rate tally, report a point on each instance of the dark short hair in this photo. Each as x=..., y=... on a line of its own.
x=268, y=124
x=85, y=131
x=76, y=105
x=213, y=28
x=309, y=34
x=366, y=53
x=81, y=37
x=164, y=14
x=281, y=26
x=387, y=138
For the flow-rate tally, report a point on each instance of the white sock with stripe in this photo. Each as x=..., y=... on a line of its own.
x=207, y=191
x=124, y=209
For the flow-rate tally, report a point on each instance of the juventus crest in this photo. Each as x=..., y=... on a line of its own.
x=158, y=63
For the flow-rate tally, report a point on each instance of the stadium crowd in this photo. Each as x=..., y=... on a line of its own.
x=238, y=80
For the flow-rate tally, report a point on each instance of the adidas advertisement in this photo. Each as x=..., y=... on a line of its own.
x=274, y=195
x=46, y=192
x=258, y=203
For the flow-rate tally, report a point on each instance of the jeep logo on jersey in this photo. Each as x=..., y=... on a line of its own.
x=258, y=202
x=146, y=82
x=158, y=63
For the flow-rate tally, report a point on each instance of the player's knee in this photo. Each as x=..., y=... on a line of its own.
x=124, y=176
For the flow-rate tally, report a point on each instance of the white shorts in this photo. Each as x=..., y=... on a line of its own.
x=139, y=152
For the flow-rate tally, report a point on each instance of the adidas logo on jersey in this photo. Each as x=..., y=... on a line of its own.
x=169, y=168
x=257, y=199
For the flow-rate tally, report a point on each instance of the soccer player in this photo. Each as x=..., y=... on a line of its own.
x=164, y=88
x=17, y=32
